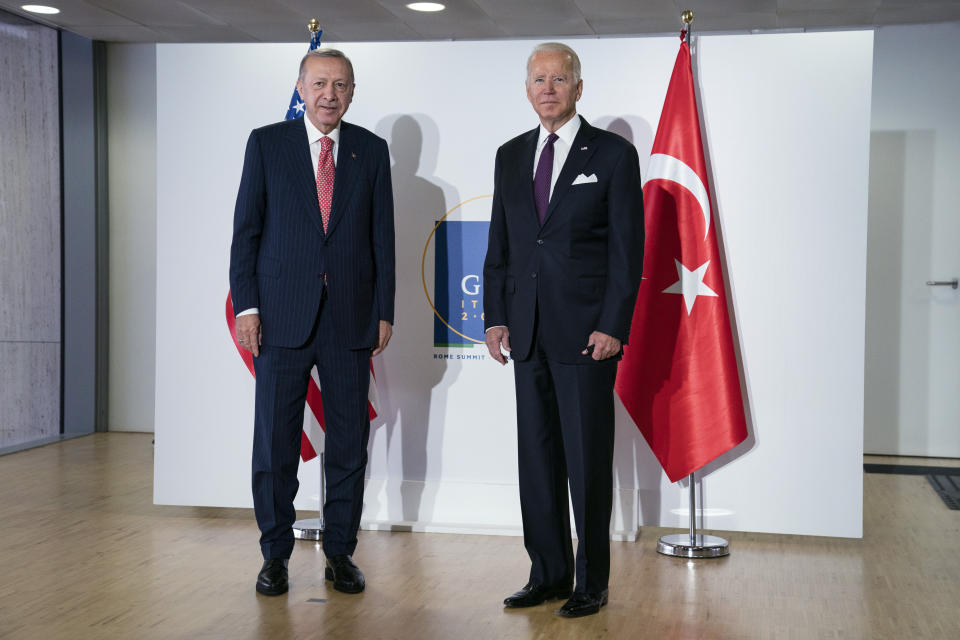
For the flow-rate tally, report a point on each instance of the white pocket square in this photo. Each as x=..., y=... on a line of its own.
x=582, y=179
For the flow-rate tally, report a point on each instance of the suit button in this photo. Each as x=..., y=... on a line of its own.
x=533, y=275
x=540, y=242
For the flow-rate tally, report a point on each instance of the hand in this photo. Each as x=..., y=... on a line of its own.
x=604, y=346
x=496, y=338
x=248, y=332
x=386, y=332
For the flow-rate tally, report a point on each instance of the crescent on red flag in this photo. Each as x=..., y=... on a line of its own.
x=664, y=167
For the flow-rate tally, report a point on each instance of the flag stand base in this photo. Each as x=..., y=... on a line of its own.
x=312, y=528
x=308, y=529
x=693, y=544
x=681, y=545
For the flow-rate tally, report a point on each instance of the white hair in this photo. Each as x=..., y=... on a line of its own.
x=557, y=47
x=325, y=53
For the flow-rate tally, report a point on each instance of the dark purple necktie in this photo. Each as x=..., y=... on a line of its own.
x=541, y=179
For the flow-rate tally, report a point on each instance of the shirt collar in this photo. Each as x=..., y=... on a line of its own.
x=566, y=133
x=314, y=134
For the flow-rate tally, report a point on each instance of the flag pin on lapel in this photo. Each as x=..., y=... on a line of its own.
x=583, y=148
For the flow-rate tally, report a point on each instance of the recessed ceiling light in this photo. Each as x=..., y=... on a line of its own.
x=39, y=8
x=426, y=6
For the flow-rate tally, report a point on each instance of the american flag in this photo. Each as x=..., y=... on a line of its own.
x=295, y=110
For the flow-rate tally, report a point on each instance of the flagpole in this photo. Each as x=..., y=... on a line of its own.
x=687, y=18
x=692, y=545
x=312, y=528
x=313, y=27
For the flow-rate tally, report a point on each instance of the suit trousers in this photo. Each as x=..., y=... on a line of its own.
x=282, y=379
x=565, y=431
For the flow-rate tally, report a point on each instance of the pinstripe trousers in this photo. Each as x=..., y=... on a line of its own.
x=282, y=379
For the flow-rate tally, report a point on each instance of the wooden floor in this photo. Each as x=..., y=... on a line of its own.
x=85, y=554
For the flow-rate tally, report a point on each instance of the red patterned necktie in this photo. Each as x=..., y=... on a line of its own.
x=325, y=175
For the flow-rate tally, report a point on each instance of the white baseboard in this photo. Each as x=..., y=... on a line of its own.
x=472, y=508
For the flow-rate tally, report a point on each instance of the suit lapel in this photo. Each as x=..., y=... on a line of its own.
x=300, y=168
x=526, y=171
x=581, y=151
x=349, y=161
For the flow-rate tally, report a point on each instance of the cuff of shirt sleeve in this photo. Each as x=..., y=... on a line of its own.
x=250, y=311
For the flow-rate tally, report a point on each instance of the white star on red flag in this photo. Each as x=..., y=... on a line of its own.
x=690, y=285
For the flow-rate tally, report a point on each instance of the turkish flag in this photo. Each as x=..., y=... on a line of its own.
x=678, y=378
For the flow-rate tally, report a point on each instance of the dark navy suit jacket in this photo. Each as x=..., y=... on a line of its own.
x=582, y=266
x=280, y=253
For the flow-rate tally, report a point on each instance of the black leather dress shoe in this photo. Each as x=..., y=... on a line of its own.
x=272, y=579
x=345, y=575
x=533, y=594
x=583, y=604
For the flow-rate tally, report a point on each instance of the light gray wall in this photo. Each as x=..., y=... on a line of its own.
x=29, y=232
x=132, y=113
x=79, y=235
x=912, y=373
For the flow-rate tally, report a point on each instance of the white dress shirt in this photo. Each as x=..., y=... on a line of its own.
x=561, y=147
x=313, y=137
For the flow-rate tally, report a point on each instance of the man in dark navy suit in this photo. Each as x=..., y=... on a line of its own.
x=312, y=274
x=561, y=276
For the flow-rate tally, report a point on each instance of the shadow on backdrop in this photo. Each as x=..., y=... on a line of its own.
x=634, y=464
x=408, y=389
x=730, y=290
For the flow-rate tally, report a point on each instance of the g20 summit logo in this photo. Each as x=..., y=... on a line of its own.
x=458, y=245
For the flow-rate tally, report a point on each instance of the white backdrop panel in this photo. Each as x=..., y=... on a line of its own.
x=787, y=124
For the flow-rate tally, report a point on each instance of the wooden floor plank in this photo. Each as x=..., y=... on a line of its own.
x=85, y=554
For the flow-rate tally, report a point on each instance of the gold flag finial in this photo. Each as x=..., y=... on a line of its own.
x=313, y=25
x=687, y=16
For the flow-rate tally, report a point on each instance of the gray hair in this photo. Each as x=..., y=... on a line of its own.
x=557, y=47
x=327, y=53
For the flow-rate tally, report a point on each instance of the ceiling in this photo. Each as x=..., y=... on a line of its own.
x=385, y=20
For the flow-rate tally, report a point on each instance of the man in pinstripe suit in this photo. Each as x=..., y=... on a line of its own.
x=312, y=273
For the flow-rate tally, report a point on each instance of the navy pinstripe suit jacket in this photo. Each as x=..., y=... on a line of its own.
x=280, y=252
